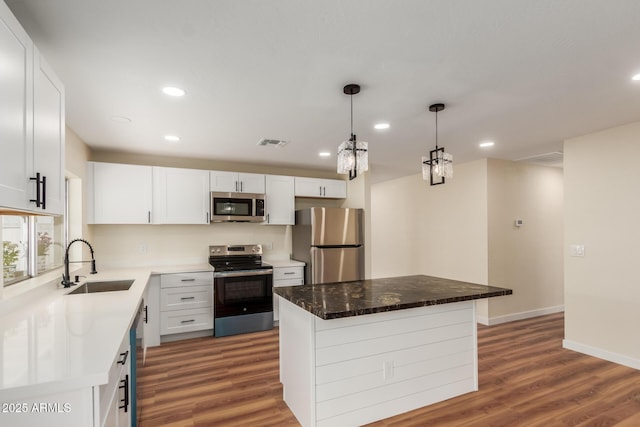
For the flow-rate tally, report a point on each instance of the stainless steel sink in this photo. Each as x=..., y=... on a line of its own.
x=104, y=286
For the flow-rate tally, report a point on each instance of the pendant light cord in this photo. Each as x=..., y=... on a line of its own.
x=436, y=129
x=351, y=99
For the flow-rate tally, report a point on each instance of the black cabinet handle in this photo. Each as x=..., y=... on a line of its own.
x=38, y=181
x=124, y=384
x=124, y=358
x=149, y=217
x=146, y=314
x=44, y=192
x=188, y=321
x=188, y=280
x=290, y=272
x=186, y=298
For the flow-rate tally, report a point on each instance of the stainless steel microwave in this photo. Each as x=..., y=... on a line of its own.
x=237, y=207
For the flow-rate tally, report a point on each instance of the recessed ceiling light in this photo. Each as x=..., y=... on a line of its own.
x=172, y=138
x=381, y=126
x=324, y=154
x=636, y=77
x=487, y=144
x=121, y=119
x=173, y=91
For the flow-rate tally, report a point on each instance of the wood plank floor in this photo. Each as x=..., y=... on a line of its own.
x=526, y=379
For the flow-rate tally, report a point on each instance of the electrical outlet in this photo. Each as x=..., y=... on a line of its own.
x=576, y=250
x=143, y=248
x=267, y=246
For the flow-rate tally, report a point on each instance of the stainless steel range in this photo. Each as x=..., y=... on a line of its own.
x=243, y=290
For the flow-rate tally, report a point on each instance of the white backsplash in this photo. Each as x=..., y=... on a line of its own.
x=121, y=246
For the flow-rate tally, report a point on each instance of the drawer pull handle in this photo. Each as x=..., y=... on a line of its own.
x=186, y=298
x=188, y=280
x=124, y=358
x=290, y=272
x=188, y=321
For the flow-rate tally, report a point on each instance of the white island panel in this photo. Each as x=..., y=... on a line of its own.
x=356, y=370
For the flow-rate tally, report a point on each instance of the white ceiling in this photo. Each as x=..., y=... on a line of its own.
x=525, y=74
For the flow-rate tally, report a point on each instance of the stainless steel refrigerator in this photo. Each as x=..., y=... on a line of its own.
x=331, y=242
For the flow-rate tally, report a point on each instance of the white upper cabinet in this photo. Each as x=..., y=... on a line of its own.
x=280, y=200
x=48, y=135
x=322, y=188
x=31, y=124
x=234, y=182
x=180, y=196
x=16, y=112
x=119, y=194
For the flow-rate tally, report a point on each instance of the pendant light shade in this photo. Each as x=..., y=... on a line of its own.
x=353, y=155
x=438, y=165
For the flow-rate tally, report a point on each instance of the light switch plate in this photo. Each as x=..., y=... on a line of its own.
x=576, y=250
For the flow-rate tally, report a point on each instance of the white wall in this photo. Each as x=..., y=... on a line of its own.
x=464, y=230
x=602, y=208
x=527, y=259
x=435, y=230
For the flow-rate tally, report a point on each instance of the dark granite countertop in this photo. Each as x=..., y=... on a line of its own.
x=345, y=299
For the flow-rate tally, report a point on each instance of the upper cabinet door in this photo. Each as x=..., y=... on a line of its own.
x=280, y=200
x=234, y=182
x=315, y=187
x=224, y=181
x=16, y=112
x=334, y=188
x=119, y=194
x=251, y=183
x=180, y=196
x=48, y=135
x=308, y=187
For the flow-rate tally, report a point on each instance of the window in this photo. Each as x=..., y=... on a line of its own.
x=31, y=245
x=15, y=248
x=49, y=242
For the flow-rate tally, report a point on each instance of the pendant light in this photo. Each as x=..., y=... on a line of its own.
x=438, y=165
x=353, y=155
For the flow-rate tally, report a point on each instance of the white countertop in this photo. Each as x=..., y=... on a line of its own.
x=282, y=262
x=63, y=342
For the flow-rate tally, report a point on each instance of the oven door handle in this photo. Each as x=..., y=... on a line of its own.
x=242, y=273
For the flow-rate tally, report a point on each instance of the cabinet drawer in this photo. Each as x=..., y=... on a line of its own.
x=287, y=273
x=186, y=297
x=120, y=362
x=186, y=279
x=177, y=321
x=287, y=282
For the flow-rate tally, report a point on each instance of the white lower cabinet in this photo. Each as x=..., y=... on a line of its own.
x=151, y=324
x=107, y=405
x=186, y=302
x=115, y=396
x=285, y=276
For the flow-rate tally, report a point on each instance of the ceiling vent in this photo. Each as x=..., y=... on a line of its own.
x=277, y=143
x=553, y=159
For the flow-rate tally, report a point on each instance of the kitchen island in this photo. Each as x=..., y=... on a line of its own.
x=356, y=352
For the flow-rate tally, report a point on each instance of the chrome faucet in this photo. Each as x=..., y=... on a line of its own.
x=66, y=280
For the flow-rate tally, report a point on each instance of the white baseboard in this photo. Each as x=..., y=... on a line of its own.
x=489, y=321
x=610, y=356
